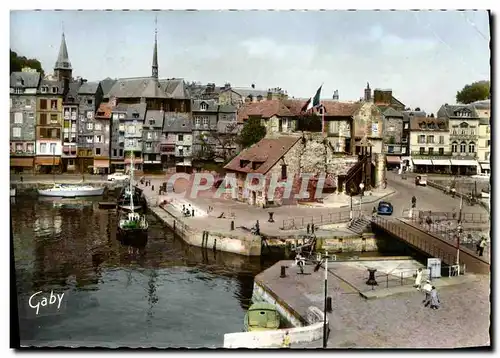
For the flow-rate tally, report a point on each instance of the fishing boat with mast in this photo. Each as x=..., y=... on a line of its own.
x=132, y=225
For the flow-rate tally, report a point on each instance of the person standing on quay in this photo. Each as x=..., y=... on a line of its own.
x=481, y=246
x=427, y=289
x=434, y=299
x=286, y=341
x=418, y=279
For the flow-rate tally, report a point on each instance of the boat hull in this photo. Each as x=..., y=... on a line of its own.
x=133, y=237
x=270, y=323
x=71, y=193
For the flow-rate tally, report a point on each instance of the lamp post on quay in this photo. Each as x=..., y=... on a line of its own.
x=361, y=187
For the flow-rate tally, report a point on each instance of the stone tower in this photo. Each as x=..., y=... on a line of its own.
x=154, y=67
x=63, y=70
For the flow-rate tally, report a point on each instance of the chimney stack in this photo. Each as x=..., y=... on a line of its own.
x=336, y=95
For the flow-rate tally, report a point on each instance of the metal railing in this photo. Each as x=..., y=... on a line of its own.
x=437, y=216
x=324, y=219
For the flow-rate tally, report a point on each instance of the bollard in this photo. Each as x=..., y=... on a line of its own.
x=283, y=271
x=312, y=228
x=232, y=225
x=329, y=304
x=192, y=213
x=174, y=225
x=308, y=228
x=152, y=188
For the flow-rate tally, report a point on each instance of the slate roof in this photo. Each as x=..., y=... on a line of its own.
x=212, y=105
x=50, y=84
x=391, y=112
x=26, y=79
x=130, y=109
x=449, y=110
x=415, y=124
x=177, y=123
x=268, y=150
x=174, y=88
x=88, y=88
x=484, y=121
x=245, y=91
x=156, y=116
x=407, y=115
x=72, y=95
x=106, y=85
x=485, y=104
x=140, y=87
x=227, y=109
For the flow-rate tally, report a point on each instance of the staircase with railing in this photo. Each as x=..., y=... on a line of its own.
x=355, y=175
x=359, y=225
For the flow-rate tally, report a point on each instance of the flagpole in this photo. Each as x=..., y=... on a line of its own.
x=323, y=120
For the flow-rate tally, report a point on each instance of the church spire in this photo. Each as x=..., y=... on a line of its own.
x=62, y=62
x=154, y=73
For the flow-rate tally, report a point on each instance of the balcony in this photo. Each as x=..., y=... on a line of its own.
x=459, y=136
x=434, y=154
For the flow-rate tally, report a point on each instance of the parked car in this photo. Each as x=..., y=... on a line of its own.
x=485, y=193
x=119, y=176
x=384, y=208
x=421, y=180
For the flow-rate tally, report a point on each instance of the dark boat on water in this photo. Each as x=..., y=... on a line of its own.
x=124, y=201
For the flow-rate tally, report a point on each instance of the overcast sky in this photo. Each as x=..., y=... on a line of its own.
x=424, y=57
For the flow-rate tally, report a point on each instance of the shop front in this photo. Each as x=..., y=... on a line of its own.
x=21, y=165
x=48, y=164
x=101, y=166
x=464, y=167
x=422, y=165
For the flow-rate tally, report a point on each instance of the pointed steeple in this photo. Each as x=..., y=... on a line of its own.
x=154, y=72
x=62, y=62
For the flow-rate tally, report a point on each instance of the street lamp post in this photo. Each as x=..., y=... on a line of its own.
x=325, y=306
x=350, y=212
x=361, y=187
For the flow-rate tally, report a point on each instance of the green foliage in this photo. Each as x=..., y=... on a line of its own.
x=18, y=62
x=253, y=131
x=309, y=123
x=476, y=91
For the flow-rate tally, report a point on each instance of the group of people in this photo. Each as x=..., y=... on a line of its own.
x=431, y=295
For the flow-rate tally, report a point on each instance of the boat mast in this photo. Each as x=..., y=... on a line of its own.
x=131, y=179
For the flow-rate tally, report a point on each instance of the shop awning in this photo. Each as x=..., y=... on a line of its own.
x=136, y=160
x=485, y=166
x=465, y=162
x=184, y=164
x=101, y=163
x=422, y=161
x=441, y=162
x=393, y=159
x=21, y=162
x=47, y=160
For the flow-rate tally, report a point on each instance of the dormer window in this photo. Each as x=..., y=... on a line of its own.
x=135, y=115
x=256, y=165
x=244, y=163
x=54, y=89
x=203, y=106
x=422, y=125
x=464, y=125
x=45, y=89
x=151, y=121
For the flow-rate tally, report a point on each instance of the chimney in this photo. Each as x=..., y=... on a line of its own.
x=253, y=85
x=368, y=93
x=269, y=94
x=336, y=95
x=227, y=85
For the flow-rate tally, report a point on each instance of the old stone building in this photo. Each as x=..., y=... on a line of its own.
x=275, y=115
x=430, y=145
x=133, y=122
x=151, y=139
x=464, y=135
x=102, y=138
x=394, y=146
x=226, y=134
x=117, y=159
x=204, y=124
x=90, y=97
x=23, y=88
x=70, y=129
x=483, y=110
x=177, y=142
x=383, y=99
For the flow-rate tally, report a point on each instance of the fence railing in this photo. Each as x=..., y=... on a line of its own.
x=473, y=218
x=324, y=219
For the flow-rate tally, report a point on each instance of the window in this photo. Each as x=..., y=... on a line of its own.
x=90, y=114
x=52, y=148
x=441, y=151
x=121, y=152
x=27, y=103
x=421, y=138
x=149, y=145
x=205, y=122
x=54, y=89
x=130, y=143
x=89, y=126
x=98, y=126
x=29, y=148
x=422, y=150
x=430, y=139
x=98, y=151
x=43, y=119
x=488, y=142
x=89, y=139
x=43, y=104
x=53, y=118
x=406, y=125
x=45, y=89
x=390, y=149
x=43, y=148
x=462, y=147
x=114, y=152
x=19, y=147
x=454, y=146
x=107, y=127
x=53, y=104
x=283, y=171
x=181, y=152
x=203, y=106
x=82, y=118
x=89, y=101
x=18, y=118
x=151, y=121
x=441, y=139
x=197, y=121
x=431, y=151
x=472, y=147
x=150, y=135
x=16, y=132
x=98, y=139
x=71, y=162
x=487, y=156
x=180, y=137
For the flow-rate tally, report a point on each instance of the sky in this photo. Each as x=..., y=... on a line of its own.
x=425, y=57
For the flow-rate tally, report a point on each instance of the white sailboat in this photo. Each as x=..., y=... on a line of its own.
x=132, y=222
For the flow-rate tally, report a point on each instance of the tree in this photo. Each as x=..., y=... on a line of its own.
x=253, y=131
x=476, y=91
x=18, y=62
x=417, y=109
x=309, y=123
x=219, y=144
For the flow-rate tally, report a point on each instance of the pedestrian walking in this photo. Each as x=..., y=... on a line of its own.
x=418, y=279
x=434, y=299
x=481, y=246
x=286, y=341
x=427, y=290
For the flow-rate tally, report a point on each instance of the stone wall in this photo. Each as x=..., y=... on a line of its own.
x=393, y=130
x=368, y=121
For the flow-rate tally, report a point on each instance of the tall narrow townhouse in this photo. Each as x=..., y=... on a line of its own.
x=23, y=88
x=48, y=144
x=102, y=137
x=483, y=110
x=177, y=142
x=90, y=95
x=151, y=139
x=134, y=120
x=117, y=142
x=70, y=117
x=204, y=125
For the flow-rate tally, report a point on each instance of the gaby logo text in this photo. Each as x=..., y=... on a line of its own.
x=38, y=299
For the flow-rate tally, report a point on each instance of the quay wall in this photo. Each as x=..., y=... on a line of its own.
x=329, y=242
x=306, y=329
x=247, y=245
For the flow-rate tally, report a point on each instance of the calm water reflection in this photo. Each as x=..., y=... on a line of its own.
x=166, y=295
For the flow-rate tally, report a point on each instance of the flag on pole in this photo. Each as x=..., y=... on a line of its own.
x=313, y=102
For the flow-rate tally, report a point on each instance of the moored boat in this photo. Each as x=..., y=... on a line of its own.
x=262, y=316
x=71, y=191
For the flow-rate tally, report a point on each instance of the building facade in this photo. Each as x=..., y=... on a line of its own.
x=226, y=145
x=23, y=102
x=177, y=142
x=117, y=147
x=430, y=145
x=394, y=146
x=204, y=125
x=151, y=139
x=102, y=138
x=483, y=110
x=70, y=130
x=133, y=123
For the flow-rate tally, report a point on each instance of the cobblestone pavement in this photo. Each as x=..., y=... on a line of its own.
x=401, y=321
